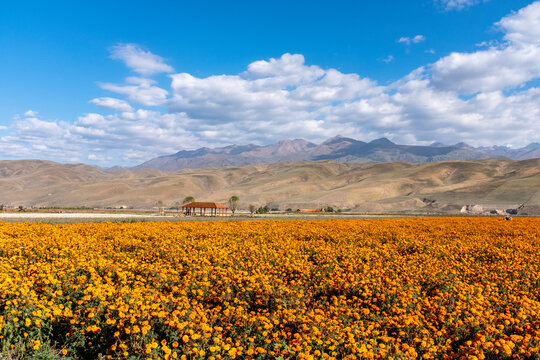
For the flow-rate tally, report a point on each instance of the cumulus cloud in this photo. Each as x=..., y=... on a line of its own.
x=112, y=103
x=140, y=61
x=144, y=133
x=126, y=137
x=35, y=138
x=499, y=67
x=523, y=27
x=279, y=89
x=139, y=90
x=30, y=113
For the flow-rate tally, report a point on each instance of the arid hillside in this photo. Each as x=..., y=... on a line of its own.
x=370, y=187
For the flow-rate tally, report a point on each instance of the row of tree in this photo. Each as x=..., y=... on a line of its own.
x=233, y=202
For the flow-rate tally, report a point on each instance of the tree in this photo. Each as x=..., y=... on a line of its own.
x=262, y=210
x=252, y=209
x=159, y=205
x=233, y=203
x=177, y=206
x=188, y=199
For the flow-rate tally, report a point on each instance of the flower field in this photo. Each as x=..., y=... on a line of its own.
x=440, y=288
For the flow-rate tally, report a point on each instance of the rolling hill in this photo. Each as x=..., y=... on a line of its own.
x=443, y=186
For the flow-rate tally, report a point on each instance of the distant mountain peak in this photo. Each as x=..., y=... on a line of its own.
x=463, y=145
x=337, y=139
x=338, y=148
x=381, y=141
x=294, y=141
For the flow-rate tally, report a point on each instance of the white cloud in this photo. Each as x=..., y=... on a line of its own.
x=457, y=4
x=121, y=136
x=509, y=65
x=142, y=91
x=3, y=127
x=35, y=126
x=490, y=43
x=140, y=61
x=112, y=103
x=30, y=113
x=404, y=39
x=408, y=40
x=95, y=157
x=35, y=138
x=142, y=130
x=523, y=27
x=493, y=69
x=388, y=59
x=418, y=38
x=279, y=89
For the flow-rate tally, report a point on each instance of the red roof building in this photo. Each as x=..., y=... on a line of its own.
x=309, y=210
x=216, y=209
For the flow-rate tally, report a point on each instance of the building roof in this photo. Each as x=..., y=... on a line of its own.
x=205, y=205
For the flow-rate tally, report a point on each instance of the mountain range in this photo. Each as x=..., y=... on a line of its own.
x=339, y=148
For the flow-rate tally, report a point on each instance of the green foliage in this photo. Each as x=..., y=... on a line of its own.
x=188, y=199
x=233, y=203
x=262, y=210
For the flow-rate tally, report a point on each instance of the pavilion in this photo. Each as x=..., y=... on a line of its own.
x=216, y=209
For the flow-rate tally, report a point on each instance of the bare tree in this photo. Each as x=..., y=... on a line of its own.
x=233, y=203
x=252, y=209
x=159, y=205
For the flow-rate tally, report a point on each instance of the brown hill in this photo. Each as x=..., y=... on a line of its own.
x=373, y=187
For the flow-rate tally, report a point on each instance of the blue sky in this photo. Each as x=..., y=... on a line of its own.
x=120, y=82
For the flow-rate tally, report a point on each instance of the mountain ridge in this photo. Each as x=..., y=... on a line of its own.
x=338, y=148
